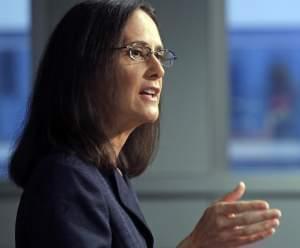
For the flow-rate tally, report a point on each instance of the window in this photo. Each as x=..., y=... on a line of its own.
x=15, y=72
x=264, y=61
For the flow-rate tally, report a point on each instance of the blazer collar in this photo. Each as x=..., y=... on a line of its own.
x=129, y=201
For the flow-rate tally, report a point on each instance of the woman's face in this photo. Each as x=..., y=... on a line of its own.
x=139, y=83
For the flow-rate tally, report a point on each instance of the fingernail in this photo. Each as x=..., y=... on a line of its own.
x=267, y=206
x=242, y=183
x=279, y=213
x=276, y=222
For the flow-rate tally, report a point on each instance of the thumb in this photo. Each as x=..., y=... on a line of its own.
x=236, y=194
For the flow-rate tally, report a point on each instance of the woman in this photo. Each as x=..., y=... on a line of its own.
x=93, y=123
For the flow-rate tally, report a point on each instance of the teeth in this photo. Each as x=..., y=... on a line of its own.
x=149, y=91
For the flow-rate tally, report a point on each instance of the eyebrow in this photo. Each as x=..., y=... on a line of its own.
x=143, y=43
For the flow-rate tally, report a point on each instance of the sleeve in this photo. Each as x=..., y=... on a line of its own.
x=70, y=209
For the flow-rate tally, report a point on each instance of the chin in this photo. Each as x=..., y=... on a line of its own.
x=150, y=118
x=153, y=118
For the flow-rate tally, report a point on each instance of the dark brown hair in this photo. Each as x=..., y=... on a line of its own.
x=63, y=114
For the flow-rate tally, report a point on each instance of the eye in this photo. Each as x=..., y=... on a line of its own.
x=137, y=53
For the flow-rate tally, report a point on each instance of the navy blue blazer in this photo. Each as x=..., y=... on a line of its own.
x=71, y=204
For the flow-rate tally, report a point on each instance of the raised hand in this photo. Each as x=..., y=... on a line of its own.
x=231, y=223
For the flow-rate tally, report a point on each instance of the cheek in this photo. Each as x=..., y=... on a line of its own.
x=129, y=82
x=126, y=92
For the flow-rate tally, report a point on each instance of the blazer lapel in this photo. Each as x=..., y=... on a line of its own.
x=127, y=196
x=129, y=201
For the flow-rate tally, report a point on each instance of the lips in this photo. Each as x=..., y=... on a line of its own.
x=150, y=91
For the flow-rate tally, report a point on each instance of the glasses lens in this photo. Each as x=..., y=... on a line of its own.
x=139, y=53
x=167, y=58
x=136, y=53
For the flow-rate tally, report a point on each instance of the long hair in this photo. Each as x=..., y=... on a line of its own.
x=67, y=108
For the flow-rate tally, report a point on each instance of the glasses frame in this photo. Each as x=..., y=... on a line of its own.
x=165, y=63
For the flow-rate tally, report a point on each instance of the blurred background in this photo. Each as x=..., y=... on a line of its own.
x=231, y=108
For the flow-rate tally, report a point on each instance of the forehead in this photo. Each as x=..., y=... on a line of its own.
x=141, y=27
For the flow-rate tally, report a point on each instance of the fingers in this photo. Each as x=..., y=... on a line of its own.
x=248, y=218
x=246, y=240
x=256, y=228
x=227, y=208
x=241, y=235
x=236, y=194
x=231, y=222
x=240, y=222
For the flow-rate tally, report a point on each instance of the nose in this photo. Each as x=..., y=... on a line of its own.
x=156, y=70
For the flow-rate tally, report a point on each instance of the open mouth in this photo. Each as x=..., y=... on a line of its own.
x=150, y=92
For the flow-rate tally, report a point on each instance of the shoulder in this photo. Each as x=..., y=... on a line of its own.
x=65, y=199
x=64, y=161
x=63, y=175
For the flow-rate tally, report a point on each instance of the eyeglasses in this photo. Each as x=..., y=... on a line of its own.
x=140, y=52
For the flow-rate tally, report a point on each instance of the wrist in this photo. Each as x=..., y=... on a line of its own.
x=186, y=243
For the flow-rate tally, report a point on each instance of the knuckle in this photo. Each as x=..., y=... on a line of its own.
x=218, y=208
x=236, y=208
x=209, y=210
x=270, y=224
x=222, y=237
x=244, y=231
x=244, y=220
x=266, y=225
x=266, y=215
x=220, y=223
x=214, y=209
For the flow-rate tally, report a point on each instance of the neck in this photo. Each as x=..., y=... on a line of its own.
x=118, y=135
x=117, y=141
